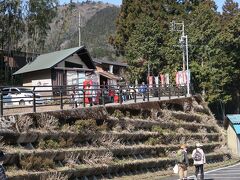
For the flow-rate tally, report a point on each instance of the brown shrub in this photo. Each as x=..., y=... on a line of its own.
x=36, y=163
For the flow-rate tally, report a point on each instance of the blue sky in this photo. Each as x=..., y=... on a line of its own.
x=221, y=2
x=118, y=2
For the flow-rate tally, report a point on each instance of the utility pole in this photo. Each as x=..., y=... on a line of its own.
x=188, y=72
x=79, y=28
x=180, y=27
x=148, y=72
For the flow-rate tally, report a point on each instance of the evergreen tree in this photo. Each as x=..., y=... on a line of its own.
x=131, y=10
x=40, y=15
x=144, y=48
x=230, y=10
x=11, y=23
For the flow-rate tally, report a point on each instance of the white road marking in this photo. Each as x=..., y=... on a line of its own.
x=222, y=178
x=219, y=174
x=221, y=168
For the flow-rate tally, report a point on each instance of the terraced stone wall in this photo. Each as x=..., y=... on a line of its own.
x=107, y=142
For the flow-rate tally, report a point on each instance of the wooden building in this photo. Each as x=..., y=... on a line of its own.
x=59, y=68
x=10, y=62
x=109, y=71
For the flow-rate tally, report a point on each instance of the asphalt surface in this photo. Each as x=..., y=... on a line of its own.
x=226, y=173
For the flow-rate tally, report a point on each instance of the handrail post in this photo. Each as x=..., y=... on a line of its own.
x=169, y=91
x=148, y=92
x=178, y=90
x=103, y=95
x=159, y=96
x=34, y=102
x=84, y=103
x=1, y=104
x=185, y=88
x=135, y=95
x=120, y=95
x=61, y=99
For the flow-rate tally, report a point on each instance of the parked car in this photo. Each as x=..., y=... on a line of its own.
x=20, y=96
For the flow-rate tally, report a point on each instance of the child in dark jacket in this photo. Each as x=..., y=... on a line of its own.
x=2, y=170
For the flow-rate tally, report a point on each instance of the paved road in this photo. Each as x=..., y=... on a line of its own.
x=226, y=173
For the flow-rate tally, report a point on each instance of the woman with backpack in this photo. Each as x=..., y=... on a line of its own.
x=199, y=160
x=182, y=162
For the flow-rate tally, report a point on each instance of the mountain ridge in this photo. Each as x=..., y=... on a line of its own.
x=97, y=24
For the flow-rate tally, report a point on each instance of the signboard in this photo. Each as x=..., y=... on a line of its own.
x=156, y=79
x=150, y=81
x=162, y=77
x=42, y=82
x=167, y=81
x=182, y=77
x=71, y=75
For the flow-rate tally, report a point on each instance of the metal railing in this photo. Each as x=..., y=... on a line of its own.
x=79, y=95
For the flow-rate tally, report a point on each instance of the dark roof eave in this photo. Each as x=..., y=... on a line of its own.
x=109, y=62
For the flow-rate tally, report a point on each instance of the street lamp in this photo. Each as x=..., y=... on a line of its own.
x=184, y=44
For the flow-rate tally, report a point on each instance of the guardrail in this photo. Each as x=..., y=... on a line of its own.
x=79, y=95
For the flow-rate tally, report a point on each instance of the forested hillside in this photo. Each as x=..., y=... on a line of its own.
x=97, y=24
x=45, y=26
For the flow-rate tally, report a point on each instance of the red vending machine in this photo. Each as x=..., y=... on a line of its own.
x=87, y=86
x=91, y=92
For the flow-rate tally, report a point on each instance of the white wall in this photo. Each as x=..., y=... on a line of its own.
x=232, y=140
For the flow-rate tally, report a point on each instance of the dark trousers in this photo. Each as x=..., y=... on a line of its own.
x=90, y=101
x=199, y=168
x=144, y=96
x=2, y=173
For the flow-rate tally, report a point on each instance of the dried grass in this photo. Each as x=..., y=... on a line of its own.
x=2, y=143
x=96, y=159
x=47, y=122
x=24, y=122
x=130, y=127
x=222, y=149
x=187, y=106
x=54, y=176
x=71, y=159
x=8, y=123
x=108, y=141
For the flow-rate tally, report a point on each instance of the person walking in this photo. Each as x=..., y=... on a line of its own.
x=199, y=160
x=143, y=90
x=73, y=97
x=89, y=94
x=182, y=162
